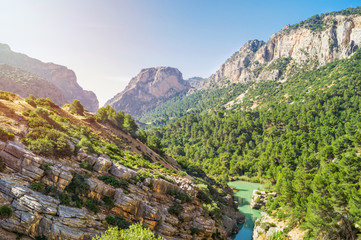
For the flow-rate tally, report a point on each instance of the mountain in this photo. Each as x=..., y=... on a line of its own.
x=70, y=176
x=307, y=45
x=311, y=43
x=62, y=77
x=195, y=82
x=287, y=113
x=24, y=83
x=149, y=88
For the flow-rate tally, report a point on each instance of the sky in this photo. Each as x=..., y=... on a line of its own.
x=107, y=42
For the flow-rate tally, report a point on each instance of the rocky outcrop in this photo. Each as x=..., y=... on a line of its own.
x=265, y=227
x=259, y=198
x=24, y=83
x=291, y=49
x=60, y=76
x=149, y=88
x=146, y=201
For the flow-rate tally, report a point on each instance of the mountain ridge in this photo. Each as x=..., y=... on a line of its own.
x=62, y=77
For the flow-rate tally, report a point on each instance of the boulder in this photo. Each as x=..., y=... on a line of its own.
x=102, y=165
x=122, y=172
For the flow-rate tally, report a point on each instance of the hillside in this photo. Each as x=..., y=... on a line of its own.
x=68, y=174
x=303, y=137
x=62, y=77
x=23, y=83
x=151, y=87
x=307, y=45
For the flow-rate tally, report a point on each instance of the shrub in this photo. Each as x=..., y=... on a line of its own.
x=37, y=186
x=5, y=212
x=5, y=135
x=41, y=237
x=134, y=232
x=77, y=108
x=117, y=221
x=78, y=185
x=108, y=201
x=111, y=180
x=65, y=199
x=2, y=165
x=184, y=197
x=46, y=167
x=86, y=165
x=86, y=145
x=195, y=231
x=92, y=205
x=213, y=210
x=175, y=209
x=41, y=146
x=203, y=197
x=7, y=95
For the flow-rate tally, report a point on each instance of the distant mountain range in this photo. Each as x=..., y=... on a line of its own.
x=58, y=76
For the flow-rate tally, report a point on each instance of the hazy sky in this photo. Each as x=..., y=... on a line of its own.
x=107, y=42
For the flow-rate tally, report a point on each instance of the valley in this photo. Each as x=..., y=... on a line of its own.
x=173, y=158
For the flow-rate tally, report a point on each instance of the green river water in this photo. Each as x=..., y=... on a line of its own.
x=243, y=197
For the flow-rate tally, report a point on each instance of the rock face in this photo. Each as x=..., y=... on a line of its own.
x=60, y=76
x=147, y=201
x=148, y=89
x=290, y=49
x=24, y=83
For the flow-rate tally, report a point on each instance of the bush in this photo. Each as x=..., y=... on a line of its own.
x=203, y=197
x=5, y=135
x=41, y=146
x=134, y=232
x=111, y=180
x=41, y=237
x=175, y=209
x=65, y=199
x=86, y=145
x=86, y=165
x=37, y=186
x=195, y=231
x=78, y=185
x=92, y=205
x=46, y=167
x=5, y=212
x=77, y=108
x=2, y=165
x=117, y=221
x=213, y=210
x=184, y=197
x=108, y=201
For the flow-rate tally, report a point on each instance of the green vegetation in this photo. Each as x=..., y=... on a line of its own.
x=113, y=181
x=175, y=209
x=37, y=186
x=7, y=96
x=5, y=135
x=134, y=232
x=305, y=137
x=117, y=221
x=5, y=211
x=2, y=165
x=117, y=119
x=92, y=205
x=196, y=102
x=77, y=108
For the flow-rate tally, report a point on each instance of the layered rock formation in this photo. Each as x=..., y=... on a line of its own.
x=23, y=83
x=290, y=49
x=60, y=76
x=148, y=89
x=259, y=198
x=148, y=201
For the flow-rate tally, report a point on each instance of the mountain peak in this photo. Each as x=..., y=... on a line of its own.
x=148, y=89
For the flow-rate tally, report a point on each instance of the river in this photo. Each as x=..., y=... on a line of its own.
x=243, y=197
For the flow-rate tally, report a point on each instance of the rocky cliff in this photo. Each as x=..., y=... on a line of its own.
x=41, y=190
x=148, y=89
x=62, y=77
x=311, y=43
x=23, y=83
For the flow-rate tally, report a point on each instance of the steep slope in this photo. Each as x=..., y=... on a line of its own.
x=60, y=76
x=311, y=43
x=23, y=83
x=149, y=88
x=65, y=176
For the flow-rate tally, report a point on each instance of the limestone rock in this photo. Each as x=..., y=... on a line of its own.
x=122, y=172
x=102, y=165
x=259, y=198
x=148, y=89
